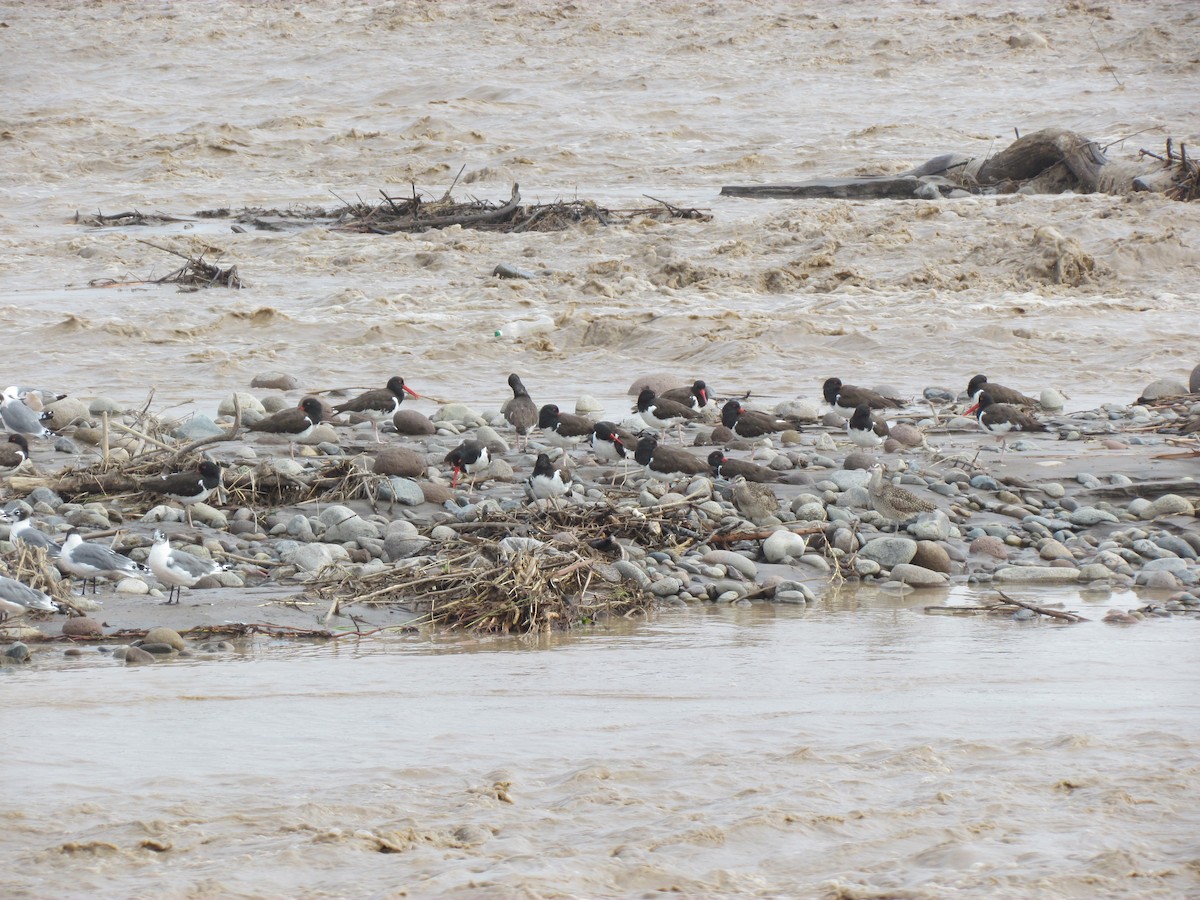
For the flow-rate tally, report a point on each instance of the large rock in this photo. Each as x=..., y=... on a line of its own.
x=917, y=576
x=781, y=545
x=1035, y=575
x=160, y=634
x=248, y=402
x=932, y=556
x=1169, y=505
x=1194, y=381
x=890, y=552
x=275, y=381
x=66, y=411
x=397, y=460
x=411, y=422
x=343, y=525
x=1163, y=387
x=82, y=626
x=404, y=491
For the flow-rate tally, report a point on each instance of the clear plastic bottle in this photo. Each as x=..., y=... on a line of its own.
x=521, y=328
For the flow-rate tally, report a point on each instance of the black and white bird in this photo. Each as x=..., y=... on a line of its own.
x=19, y=418
x=607, y=444
x=471, y=457
x=865, y=429
x=1001, y=418
x=23, y=531
x=662, y=414
x=177, y=568
x=695, y=396
x=92, y=561
x=563, y=429
x=664, y=463
x=295, y=423
x=845, y=398
x=753, y=423
x=187, y=488
x=14, y=451
x=16, y=599
x=520, y=411
x=998, y=392
x=377, y=405
x=546, y=482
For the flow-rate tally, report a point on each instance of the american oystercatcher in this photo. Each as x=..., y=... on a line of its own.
x=187, y=488
x=725, y=467
x=865, y=429
x=999, y=393
x=546, y=482
x=695, y=396
x=178, y=569
x=91, y=561
x=295, y=424
x=662, y=414
x=521, y=412
x=471, y=457
x=752, y=423
x=607, y=443
x=1001, y=418
x=845, y=398
x=563, y=429
x=664, y=462
x=377, y=405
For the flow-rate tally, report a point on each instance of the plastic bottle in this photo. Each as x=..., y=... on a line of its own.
x=520, y=328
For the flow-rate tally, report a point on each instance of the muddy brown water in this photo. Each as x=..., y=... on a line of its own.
x=857, y=749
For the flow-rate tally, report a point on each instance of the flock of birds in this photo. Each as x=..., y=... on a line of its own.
x=999, y=411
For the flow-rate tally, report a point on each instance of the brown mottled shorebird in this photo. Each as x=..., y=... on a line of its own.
x=999, y=393
x=521, y=411
x=894, y=502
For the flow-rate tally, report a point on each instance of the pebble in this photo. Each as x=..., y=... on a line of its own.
x=732, y=560
x=1051, y=399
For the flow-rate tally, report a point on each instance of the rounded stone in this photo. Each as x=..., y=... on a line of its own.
x=398, y=460
x=889, y=552
x=275, y=381
x=136, y=656
x=932, y=556
x=1163, y=387
x=1051, y=399
x=783, y=544
x=413, y=423
x=82, y=626
x=917, y=576
x=1169, y=505
x=656, y=381
x=163, y=635
x=1194, y=381
x=729, y=559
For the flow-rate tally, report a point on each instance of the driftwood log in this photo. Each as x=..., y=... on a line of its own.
x=1050, y=161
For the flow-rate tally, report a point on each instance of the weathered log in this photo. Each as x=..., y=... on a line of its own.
x=77, y=485
x=465, y=219
x=1033, y=154
x=871, y=187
